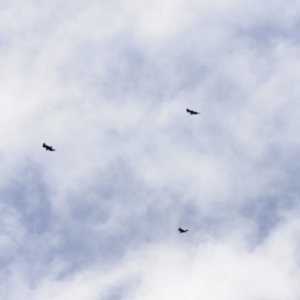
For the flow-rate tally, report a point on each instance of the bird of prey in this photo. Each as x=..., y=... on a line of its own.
x=191, y=112
x=182, y=230
x=50, y=148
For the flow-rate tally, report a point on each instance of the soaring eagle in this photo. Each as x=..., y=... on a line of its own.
x=182, y=230
x=50, y=148
x=191, y=112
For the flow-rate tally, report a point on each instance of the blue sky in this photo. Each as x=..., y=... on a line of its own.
x=107, y=84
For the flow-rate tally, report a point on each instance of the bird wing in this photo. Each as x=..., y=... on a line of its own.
x=48, y=147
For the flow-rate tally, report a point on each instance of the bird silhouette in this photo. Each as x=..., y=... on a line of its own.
x=191, y=112
x=182, y=230
x=50, y=148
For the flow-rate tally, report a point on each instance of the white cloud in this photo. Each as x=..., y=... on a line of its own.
x=214, y=269
x=107, y=84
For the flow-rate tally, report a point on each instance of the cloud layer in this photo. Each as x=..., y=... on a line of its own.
x=107, y=84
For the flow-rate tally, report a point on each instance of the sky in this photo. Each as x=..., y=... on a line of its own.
x=107, y=84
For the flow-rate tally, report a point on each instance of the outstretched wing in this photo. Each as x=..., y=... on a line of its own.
x=192, y=112
x=182, y=230
x=48, y=148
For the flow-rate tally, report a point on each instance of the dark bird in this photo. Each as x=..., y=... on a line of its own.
x=191, y=112
x=182, y=230
x=50, y=148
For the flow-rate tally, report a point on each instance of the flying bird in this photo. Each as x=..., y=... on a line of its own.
x=191, y=112
x=50, y=148
x=182, y=230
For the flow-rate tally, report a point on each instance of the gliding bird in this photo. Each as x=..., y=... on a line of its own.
x=191, y=112
x=50, y=148
x=182, y=230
